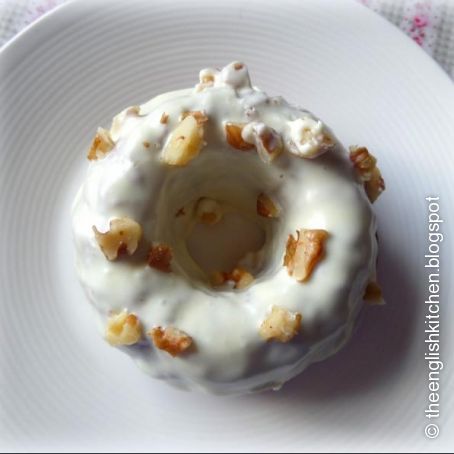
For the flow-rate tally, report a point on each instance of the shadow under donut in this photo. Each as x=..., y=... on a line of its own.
x=375, y=350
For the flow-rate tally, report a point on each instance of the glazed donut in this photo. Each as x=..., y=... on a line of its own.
x=225, y=238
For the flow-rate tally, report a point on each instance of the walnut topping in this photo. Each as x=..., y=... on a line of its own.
x=199, y=115
x=238, y=66
x=184, y=143
x=234, y=138
x=123, y=235
x=366, y=167
x=180, y=212
x=171, y=340
x=208, y=211
x=280, y=325
x=304, y=252
x=373, y=294
x=146, y=144
x=308, y=138
x=267, y=141
x=101, y=145
x=266, y=207
x=239, y=276
x=123, y=329
x=160, y=257
x=164, y=118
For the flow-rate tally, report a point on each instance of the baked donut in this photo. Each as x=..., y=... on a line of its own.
x=225, y=238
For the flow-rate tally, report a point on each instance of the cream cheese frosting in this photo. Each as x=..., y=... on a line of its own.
x=229, y=212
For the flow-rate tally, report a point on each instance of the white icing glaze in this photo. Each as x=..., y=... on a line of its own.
x=322, y=193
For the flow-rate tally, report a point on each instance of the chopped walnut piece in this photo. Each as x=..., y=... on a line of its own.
x=234, y=138
x=184, y=143
x=123, y=235
x=146, y=144
x=180, y=212
x=123, y=329
x=304, y=252
x=366, y=167
x=280, y=325
x=101, y=145
x=239, y=276
x=238, y=66
x=164, y=118
x=266, y=207
x=208, y=211
x=267, y=141
x=199, y=115
x=206, y=79
x=308, y=138
x=160, y=257
x=171, y=340
x=373, y=294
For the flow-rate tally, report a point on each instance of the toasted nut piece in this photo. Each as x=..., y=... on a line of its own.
x=267, y=141
x=146, y=144
x=308, y=138
x=206, y=78
x=180, y=212
x=199, y=115
x=123, y=329
x=170, y=339
x=184, y=143
x=208, y=211
x=238, y=66
x=304, y=252
x=375, y=186
x=123, y=235
x=101, y=145
x=160, y=257
x=164, y=118
x=280, y=325
x=266, y=207
x=373, y=294
x=240, y=276
x=234, y=138
x=366, y=167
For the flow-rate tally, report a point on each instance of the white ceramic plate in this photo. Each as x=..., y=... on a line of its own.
x=62, y=387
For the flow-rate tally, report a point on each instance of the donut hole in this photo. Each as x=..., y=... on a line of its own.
x=208, y=215
x=224, y=245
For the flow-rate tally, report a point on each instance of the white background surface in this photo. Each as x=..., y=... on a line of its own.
x=61, y=386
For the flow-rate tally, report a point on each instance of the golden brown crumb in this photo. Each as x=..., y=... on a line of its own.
x=266, y=207
x=281, y=325
x=239, y=276
x=304, y=252
x=123, y=235
x=180, y=212
x=238, y=66
x=170, y=339
x=123, y=329
x=101, y=145
x=146, y=144
x=234, y=138
x=164, y=118
x=160, y=257
x=373, y=294
x=366, y=166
